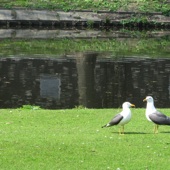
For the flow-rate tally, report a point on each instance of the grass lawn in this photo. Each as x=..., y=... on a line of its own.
x=73, y=139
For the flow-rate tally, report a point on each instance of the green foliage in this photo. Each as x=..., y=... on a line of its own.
x=90, y=24
x=30, y=107
x=117, y=47
x=74, y=139
x=79, y=107
x=136, y=19
x=111, y=5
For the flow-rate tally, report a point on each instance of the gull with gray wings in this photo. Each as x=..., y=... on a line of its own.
x=153, y=115
x=122, y=118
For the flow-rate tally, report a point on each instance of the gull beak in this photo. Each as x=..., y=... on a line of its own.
x=132, y=105
x=144, y=100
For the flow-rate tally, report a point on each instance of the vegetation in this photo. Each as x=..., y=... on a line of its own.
x=112, y=5
x=116, y=47
x=30, y=107
x=74, y=139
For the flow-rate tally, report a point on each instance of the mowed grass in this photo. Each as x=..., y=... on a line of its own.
x=73, y=139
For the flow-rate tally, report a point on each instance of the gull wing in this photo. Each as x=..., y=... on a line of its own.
x=116, y=119
x=159, y=118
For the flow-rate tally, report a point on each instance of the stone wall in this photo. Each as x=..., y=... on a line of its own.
x=17, y=18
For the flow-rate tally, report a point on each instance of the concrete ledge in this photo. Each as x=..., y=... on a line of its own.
x=80, y=34
x=44, y=18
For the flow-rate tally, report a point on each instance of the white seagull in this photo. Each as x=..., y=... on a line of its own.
x=155, y=116
x=122, y=118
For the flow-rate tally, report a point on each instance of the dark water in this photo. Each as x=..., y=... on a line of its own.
x=83, y=79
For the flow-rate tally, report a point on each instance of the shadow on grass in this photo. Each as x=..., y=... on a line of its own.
x=141, y=133
x=165, y=132
x=133, y=133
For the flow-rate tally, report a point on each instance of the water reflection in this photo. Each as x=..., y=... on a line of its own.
x=86, y=79
x=50, y=86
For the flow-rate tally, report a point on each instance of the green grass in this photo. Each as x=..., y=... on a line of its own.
x=113, y=5
x=73, y=139
x=117, y=47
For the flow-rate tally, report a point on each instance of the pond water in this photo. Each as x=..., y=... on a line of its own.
x=65, y=77
x=84, y=79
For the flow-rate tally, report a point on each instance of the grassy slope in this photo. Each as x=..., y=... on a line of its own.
x=114, y=5
x=74, y=139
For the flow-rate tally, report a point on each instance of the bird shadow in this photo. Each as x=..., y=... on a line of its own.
x=165, y=132
x=132, y=133
x=140, y=133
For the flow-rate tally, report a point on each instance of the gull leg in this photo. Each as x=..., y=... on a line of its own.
x=156, y=129
x=121, y=130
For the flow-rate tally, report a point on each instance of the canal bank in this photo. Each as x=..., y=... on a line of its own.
x=57, y=60
x=27, y=18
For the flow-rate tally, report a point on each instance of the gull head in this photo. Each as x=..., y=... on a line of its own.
x=148, y=99
x=127, y=105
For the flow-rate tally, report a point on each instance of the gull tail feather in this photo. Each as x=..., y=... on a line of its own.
x=168, y=121
x=106, y=125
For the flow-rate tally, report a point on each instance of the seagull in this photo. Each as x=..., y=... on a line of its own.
x=122, y=118
x=155, y=116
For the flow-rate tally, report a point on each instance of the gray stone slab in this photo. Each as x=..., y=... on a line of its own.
x=5, y=15
x=56, y=34
x=28, y=15
x=21, y=14
x=78, y=16
x=41, y=18
x=36, y=15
